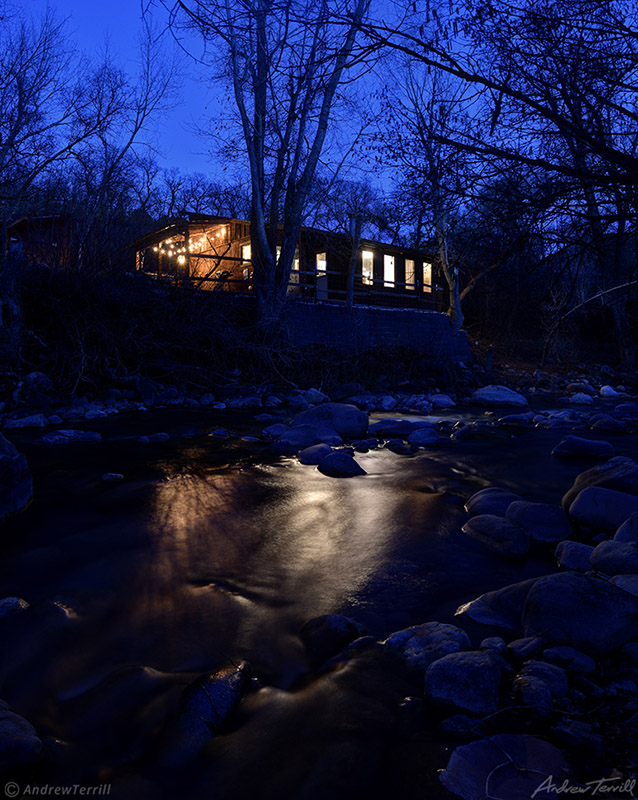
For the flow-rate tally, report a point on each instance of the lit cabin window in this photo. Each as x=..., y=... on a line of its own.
x=388, y=270
x=246, y=252
x=322, y=262
x=367, y=266
x=409, y=273
x=427, y=276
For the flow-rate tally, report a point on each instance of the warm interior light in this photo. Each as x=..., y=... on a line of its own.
x=181, y=259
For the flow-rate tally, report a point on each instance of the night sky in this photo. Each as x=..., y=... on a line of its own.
x=92, y=25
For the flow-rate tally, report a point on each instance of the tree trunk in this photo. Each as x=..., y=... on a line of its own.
x=355, y=238
x=11, y=263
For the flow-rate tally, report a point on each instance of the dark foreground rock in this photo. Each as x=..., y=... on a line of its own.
x=505, y=766
x=492, y=500
x=602, y=509
x=70, y=437
x=16, y=486
x=327, y=635
x=619, y=473
x=542, y=522
x=467, y=681
x=575, y=448
x=499, y=535
x=502, y=608
x=420, y=645
x=340, y=465
x=582, y=611
x=347, y=420
x=498, y=397
x=19, y=743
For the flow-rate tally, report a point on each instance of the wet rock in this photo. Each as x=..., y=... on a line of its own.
x=62, y=437
x=248, y=401
x=441, y=401
x=420, y=645
x=498, y=396
x=16, y=485
x=161, y=436
x=582, y=611
x=300, y=438
x=606, y=424
x=207, y=399
x=553, y=676
x=615, y=558
x=491, y=501
x=602, y=509
x=346, y=420
x=499, y=535
x=328, y=635
x=570, y=659
x=542, y=522
x=628, y=583
x=619, y=473
x=502, y=608
x=33, y=421
x=578, y=735
x=581, y=399
x=424, y=437
x=526, y=648
x=315, y=454
x=495, y=644
x=112, y=477
x=19, y=743
x=393, y=428
x=315, y=397
x=517, y=420
x=573, y=447
x=204, y=707
x=628, y=531
x=505, y=766
x=531, y=691
x=467, y=681
x=37, y=391
x=345, y=390
x=340, y=465
x=12, y=605
x=275, y=430
x=608, y=392
x=573, y=556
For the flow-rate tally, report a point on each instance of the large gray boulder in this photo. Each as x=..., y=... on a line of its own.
x=602, y=509
x=505, y=766
x=498, y=397
x=542, y=522
x=574, y=447
x=16, y=486
x=502, y=608
x=347, y=420
x=420, y=645
x=492, y=500
x=468, y=681
x=615, y=558
x=619, y=473
x=499, y=535
x=573, y=556
x=582, y=611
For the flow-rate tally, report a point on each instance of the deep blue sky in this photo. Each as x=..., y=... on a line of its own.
x=91, y=24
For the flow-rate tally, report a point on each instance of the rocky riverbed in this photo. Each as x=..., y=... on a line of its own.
x=290, y=594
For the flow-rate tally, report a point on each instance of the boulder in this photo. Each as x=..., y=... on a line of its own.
x=628, y=531
x=505, y=766
x=33, y=421
x=205, y=705
x=573, y=447
x=570, y=659
x=581, y=399
x=491, y=501
x=420, y=645
x=526, y=648
x=502, y=608
x=582, y=611
x=602, y=509
x=498, y=397
x=441, y=401
x=299, y=438
x=468, y=681
x=71, y=437
x=20, y=745
x=553, y=676
x=531, y=691
x=347, y=420
x=37, y=390
x=628, y=583
x=517, y=420
x=573, y=556
x=615, y=558
x=393, y=428
x=12, y=605
x=340, y=465
x=314, y=454
x=499, y=535
x=542, y=522
x=16, y=486
x=619, y=473
x=495, y=644
x=327, y=635
x=608, y=392
x=424, y=437
x=606, y=424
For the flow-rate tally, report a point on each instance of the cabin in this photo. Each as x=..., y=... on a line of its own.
x=214, y=254
x=42, y=239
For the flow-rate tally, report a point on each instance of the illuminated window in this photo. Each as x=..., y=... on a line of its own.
x=427, y=276
x=367, y=266
x=388, y=270
x=246, y=252
x=322, y=262
x=409, y=274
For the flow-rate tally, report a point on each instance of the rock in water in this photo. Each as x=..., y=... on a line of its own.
x=603, y=509
x=491, y=501
x=16, y=486
x=619, y=473
x=505, y=766
x=540, y=521
x=574, y=447
x=347, y=420
x=467, y=681
x=582, y=611
x=502, y=608
x=327, y=635
x=340, y=465
x=204, y=707
x=314, y=454
x=70, y=437
x=424, y=437
x=615, y=558
x=19, y=743
x=420, y=645
x=500, y=535
x=574, y=555
x=498, y=397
